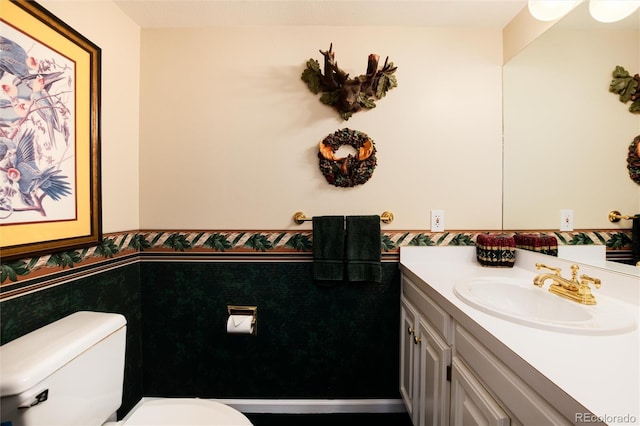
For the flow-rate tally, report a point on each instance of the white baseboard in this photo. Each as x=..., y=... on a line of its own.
x=315, y=406
x=307, y=406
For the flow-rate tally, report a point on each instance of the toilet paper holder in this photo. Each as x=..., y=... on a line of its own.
x=246, y=310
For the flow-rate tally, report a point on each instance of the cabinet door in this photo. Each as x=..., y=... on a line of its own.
x=471, y=404
x=408, y=372
x=434, y=358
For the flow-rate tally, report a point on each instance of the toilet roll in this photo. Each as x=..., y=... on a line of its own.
x=240, y=324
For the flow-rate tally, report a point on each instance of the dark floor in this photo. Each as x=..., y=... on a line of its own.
x=329, y=419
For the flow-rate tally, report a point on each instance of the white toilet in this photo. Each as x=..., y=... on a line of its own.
x=71, y=372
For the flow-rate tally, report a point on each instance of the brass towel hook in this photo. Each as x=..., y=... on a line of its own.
x=299, y=217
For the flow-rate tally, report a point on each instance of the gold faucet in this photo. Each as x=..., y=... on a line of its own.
x=573, y=289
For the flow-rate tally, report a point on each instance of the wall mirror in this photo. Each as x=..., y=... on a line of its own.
x=566, y=137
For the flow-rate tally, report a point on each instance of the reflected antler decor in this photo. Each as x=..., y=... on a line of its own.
x=349, y=95
x=628, y=88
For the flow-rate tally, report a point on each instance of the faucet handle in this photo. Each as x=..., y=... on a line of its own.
x=586, y=279
x=584, y=291
x=542, y=265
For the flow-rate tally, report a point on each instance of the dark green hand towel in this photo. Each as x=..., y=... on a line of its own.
x=363, y=249
x=328, y=248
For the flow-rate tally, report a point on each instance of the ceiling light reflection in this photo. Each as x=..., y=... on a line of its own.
x=612, y=10
x=550, y=10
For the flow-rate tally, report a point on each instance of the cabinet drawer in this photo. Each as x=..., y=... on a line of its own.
x=509, y=388
x=429, y=309
x=471, y=404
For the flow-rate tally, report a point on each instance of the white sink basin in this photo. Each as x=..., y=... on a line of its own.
x=519, y=301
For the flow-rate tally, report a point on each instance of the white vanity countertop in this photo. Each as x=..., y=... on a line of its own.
x=600, y=372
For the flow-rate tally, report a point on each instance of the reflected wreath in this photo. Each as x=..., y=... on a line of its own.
x=351, y=170
x=633, y=160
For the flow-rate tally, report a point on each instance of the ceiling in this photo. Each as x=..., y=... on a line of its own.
x=429, y=13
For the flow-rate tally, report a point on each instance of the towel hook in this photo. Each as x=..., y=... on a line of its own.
x=615, y=216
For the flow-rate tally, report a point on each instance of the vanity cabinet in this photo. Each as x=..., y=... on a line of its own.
x=425, y=358
x=448, y=377
x=520, y=402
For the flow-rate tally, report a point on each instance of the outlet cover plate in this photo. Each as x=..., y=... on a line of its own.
x=566, y=220
x=437, y=220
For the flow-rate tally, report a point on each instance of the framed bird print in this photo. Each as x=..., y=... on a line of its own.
x=49, y=134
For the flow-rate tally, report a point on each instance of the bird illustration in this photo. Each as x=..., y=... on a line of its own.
x=45, y=108
x=22, y=87
x=6, y=145
x=27, y=175
x=17, y=90
x=13, y=59
x=12, y=111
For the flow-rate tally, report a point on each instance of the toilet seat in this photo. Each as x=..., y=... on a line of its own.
x=185, y=411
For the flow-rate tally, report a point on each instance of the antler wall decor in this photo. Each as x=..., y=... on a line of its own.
x=349, y=95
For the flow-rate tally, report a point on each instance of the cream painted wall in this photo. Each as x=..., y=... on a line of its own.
x=566, y=135
x=229, y=132
x=104, y=24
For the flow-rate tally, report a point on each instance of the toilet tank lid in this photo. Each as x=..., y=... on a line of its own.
x=27, y=360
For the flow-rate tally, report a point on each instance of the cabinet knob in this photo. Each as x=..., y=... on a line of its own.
x=410, y=330
x=416, y=340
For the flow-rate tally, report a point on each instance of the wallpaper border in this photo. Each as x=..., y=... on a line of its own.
x=117, y=249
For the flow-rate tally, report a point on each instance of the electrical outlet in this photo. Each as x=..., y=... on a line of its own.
x=437, y=220
x=566, y=220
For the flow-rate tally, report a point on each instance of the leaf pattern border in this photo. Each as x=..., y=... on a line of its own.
x=274, y=242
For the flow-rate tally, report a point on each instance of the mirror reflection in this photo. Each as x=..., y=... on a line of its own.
x=566, y=137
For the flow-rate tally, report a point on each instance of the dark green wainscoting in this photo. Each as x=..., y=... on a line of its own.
x=110, y=291
x=330, y=341
x=313, y=341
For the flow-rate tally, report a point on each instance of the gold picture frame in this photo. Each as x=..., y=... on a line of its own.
x=50, y=196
